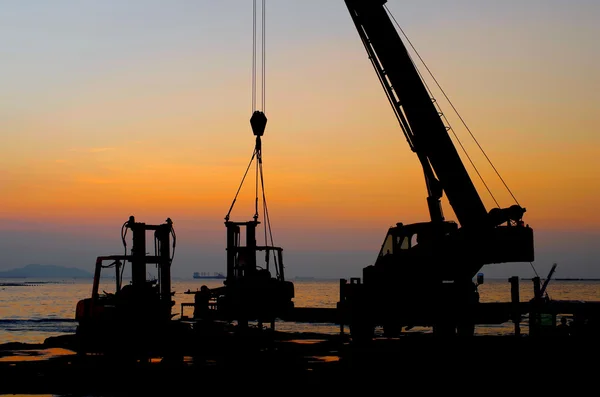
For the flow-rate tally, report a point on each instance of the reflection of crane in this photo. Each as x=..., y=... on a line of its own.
x=423, y=275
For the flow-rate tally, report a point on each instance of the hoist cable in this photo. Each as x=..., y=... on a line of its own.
x=240, y=187
x=267, y=220
x=456, y=111
x=458, y=139
x=258, y=148
x=263, y=56
x=254, y=56
x=258, y=157
x=536, y=273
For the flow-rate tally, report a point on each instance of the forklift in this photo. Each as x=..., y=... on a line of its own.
x=136, y=318
x=254, y=290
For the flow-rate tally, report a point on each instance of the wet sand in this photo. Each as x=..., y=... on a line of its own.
x=307, y=363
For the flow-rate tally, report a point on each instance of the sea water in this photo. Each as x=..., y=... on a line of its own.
x=32, y=310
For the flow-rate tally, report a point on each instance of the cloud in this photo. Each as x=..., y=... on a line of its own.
x=100, y=149
x=93, y=149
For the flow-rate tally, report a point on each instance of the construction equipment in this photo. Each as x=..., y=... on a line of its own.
x=423, y=273
x=251, y=291
x=422, y=276
x=136, y=317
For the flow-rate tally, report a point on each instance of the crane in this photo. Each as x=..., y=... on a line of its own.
x=423, y=273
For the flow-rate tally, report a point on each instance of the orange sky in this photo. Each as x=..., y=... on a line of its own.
x=161, y=129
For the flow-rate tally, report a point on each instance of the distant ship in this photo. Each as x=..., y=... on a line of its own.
x=215, y=275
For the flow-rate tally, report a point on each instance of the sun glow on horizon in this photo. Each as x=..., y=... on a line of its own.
x=143, y=109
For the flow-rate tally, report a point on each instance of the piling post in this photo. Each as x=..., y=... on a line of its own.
x=341, y=303
x=534, y=313
x=516, y=304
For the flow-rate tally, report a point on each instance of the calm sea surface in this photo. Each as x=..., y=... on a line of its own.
x=46, y=307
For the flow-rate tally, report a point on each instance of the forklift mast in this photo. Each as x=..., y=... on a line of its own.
x=139, y=259
x=139, y=286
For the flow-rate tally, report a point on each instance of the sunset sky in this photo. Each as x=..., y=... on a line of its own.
x=112, y=108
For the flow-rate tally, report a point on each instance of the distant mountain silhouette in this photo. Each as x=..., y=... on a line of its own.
x=46, y=271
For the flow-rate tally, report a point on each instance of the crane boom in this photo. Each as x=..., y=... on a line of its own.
x=421, y=121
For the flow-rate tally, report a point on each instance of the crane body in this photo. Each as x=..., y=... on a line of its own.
x=423, y=273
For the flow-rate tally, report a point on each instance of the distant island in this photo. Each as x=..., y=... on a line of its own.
x=45, y=271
